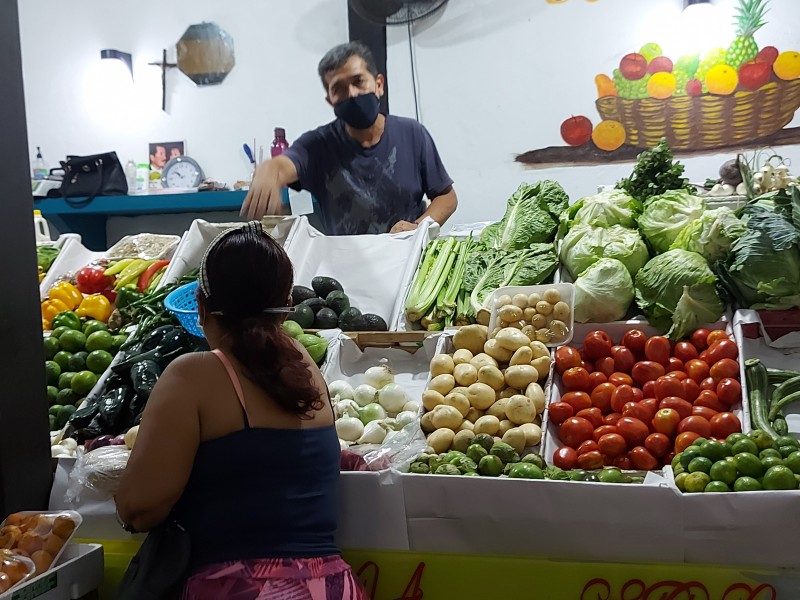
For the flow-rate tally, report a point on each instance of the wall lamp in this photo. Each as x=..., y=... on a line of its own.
x=119, y=55
x=688, y=3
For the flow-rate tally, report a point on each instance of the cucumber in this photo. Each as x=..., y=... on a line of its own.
x=785, y=394
x=775, y=376
x=756, y=377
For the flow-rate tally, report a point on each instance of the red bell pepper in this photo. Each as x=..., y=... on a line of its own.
x=144, y=279
x=93, y=280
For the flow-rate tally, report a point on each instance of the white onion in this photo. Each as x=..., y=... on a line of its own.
x=343, y=445
x=346, y=408
x=372, y=412
x=379, y=377
x=349, y=429
x=392, y=397
x=374, y=433
x=341, y=389
x=391, y=423
x=365, y=394
x=406, y=417
x=130, y=436
x=412, y=406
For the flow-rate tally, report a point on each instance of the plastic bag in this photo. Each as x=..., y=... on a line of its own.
x=398, y=450
x=97, y=472
x=145, y=246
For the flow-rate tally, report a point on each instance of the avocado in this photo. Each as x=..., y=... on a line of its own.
x=326, y=319
x=315, y=304
x=375, y=323
x=349, y=317
x=325, y=285
x=302, y=315
x=300, y=293
x=337, y=301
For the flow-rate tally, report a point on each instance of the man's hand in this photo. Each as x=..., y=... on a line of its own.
x=265, y=194
x=403, y=226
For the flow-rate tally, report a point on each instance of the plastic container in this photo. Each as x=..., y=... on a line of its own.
x=41, y=227
x=183, y=304
x=278, y=147
x=40, y=170
x=79, y=574
x=142, y=178
x=567, y=293
x=130, y=176
x=15, y=570
x=45, y=532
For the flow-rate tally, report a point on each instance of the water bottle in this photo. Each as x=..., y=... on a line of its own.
x=279, y=145
x=41, y=227
x=142, y=178
x=130, y=176
x=39, y=166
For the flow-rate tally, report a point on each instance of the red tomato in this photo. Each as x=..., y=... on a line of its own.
x=560, y=412
x=576, y=378
x=690, y=390
x=722, y=349
x=595, y=379
x=605, y=365
x=699, y=339
x=621, y=396
x=624, y=360
x=709, y=399
x=725, y=367
x=593, y=415
x=685, y=351
x=729, y=391
x=703, y=411
x=601, y=396
x=642, y=458
x=647, y=370
x=658, y=349
x=623, y=462
x=674, y=365
x=615, y=349
x=578, y=400
x=679, y=405
x=704, y=356
x=658, y=444
x=636, y=410
x=597, y=344
x=724, y=424
x=603, y=430
x=638, y=395
x=698, y=425
x=635, y=340
x=651, y=404
x=708, y=384
x=715, y=336
x=668, y=386
x=588, y=365
x=696, y=369
x=633, y=430
x=679, y=375
x=612, y=445
x=668, y=458
x=684, y=440
x=620, y=379
x=649, y=389
x=612, y=418
x=591, y=460
x=574, y=431
x=666, y=421
x=566, y=358
x=588, y=446
x=565, y=458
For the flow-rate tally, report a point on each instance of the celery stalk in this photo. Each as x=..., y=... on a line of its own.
x=433, y=278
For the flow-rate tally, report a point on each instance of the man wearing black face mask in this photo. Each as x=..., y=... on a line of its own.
x=368, y=171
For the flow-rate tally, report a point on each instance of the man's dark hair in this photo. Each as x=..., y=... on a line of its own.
x=337, y=56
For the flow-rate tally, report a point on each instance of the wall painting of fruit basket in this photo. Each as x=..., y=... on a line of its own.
x=730, y=98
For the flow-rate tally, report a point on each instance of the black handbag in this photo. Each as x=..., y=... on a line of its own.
x=87, y=177
x=160, y=567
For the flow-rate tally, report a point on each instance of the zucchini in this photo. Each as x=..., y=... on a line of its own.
x=785, y=393
x=755, y=374
x=780, y=426
x=776, y=376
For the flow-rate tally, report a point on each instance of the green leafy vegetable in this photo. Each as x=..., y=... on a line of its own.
x=654, y=173
x=612, y=207
x=711, y=235
x=431, y=277
x=603, y=292
x=45, y=255
x=666, y=215
x=584, y=245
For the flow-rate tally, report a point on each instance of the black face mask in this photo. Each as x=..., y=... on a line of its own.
x=360, y=112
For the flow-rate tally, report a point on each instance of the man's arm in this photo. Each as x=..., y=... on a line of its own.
x=265, y=195
x=441, y=208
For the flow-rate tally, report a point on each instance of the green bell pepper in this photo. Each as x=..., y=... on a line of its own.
x=66, y=319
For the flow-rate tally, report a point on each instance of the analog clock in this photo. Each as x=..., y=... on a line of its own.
x=182, y=172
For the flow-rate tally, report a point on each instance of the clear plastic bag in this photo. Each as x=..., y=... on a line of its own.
x=146, y=246
x=97, y=474
x=398, y=450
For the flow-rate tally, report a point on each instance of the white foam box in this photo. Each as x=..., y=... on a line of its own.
x=566, y=290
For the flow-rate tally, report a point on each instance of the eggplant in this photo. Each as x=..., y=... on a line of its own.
x=144, y=375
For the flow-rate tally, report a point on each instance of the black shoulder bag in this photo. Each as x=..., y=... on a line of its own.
x=87, y=177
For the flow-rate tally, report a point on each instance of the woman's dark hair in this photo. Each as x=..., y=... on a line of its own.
x=248, y=272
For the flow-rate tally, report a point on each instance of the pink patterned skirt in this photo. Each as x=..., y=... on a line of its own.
x=328, y=578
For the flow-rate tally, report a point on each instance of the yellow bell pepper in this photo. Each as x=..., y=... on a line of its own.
x=67, y=293
x=52, y=307
x=45, y=324
x=95, y=307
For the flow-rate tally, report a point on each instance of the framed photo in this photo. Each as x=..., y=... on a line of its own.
x=162, y=152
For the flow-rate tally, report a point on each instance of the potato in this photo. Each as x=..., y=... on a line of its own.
x=502, y=301
x=483, y=317
x=520, y=409
x=544, y=308
x=459, y=389
x=561, y=311
x=446, y=417
x=520, y=300
x=442, y=364
x=504, y=426
x=471, y=337
x=459, y=402
x=492, y=376
x=486, y=424
x=533, y=299
x=431, y=399
x=441, y=440
x=462, y=356
x=515, y=325
x=443, y=384
x=558, y=329
x=529, y=331
x=466, y=426
x=552, y=296
x=538, y=321
x=498, y=409
x=465, y=374
x=496, y=351
x=515, y=438
x=539, y=349
x=535, y=394
x=510, y=313
x=523, y=356
x=528, y=313
x=462, y=439
x=519, y=376
x=425, y=423
x=543, y=335
x=508, y=392
x=480, y=396
x=494, y=332
x=533, y=434
x=482, y=360
x=542, y=366
x=512, y=339
x=497, y=439
x=473, y=414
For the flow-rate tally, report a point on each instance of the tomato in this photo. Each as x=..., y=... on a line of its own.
x=620, y=379
x=658, y=444
x=703, y=411
x=729, y=391
x=698, y=425
x=578, y=400
x=715, y=336
x=658, y=349
x=649, y=389
x=588, y=365
x=617, y=348
x=679, y=405
x=674, y=365
x=725, y=367
x=597, y=344
x=623, y=462
x=560, y=412
x=565, y=458
x=696, y=369
x=641, y=458
x=699, y=339
x=679, y=375
x=709, y=399
x=612, y=445
x=576, y=378
x=635, y=340
x=690, y=390
x=601, y=396
x=605, y=365
x=708, y=384
x=722, y=349
x=651, y=404
x=566, y=358
x=685, y=351
x=684, y=440
x=612, y=418
x=633, y=430
x=704, y=356
x=603, y=430
x=588, y=446
x=668, y=458
x=725, y=423
x=595, y=379
x=647, y=370
x=620, y=396
x=636, y=410
x=591, y=460
x=666, y=421
x=624, y=360
x=668, y=386
x=593, y=415
x=574, y=431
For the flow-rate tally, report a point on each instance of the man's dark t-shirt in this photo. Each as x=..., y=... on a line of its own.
x=368, y=190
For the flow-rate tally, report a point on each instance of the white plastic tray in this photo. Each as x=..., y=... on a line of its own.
x=567, y=291
x=79, y=574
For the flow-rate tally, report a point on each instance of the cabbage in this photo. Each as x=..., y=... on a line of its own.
x=585, y=245
x=612, y=207
x=677, y=291
x=666, y=215
x=711, y=235
x=603, y=292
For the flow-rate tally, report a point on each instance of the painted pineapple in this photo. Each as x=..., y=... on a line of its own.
x=712, y=59
x=749, y=19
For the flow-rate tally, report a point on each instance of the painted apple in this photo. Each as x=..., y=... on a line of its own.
x=694, y=87
x=753, y=75
x=660, y=64
x=767, y=55
x=576, y=131
x=633, y=66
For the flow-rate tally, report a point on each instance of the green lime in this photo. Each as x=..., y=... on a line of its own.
x=62, y=358
x=699, y=441
x=52, y=394
x=98, y=361
x=611, y=475
x=100, y=340
x=73, y=341
x=787, y=450
x=787, y=440
x=714, y=451
x=696, y=482
x=793, y=462
x=292, y=328
x=771, y=461
x=688, y=455
x=83, y=382
x=762, y=439
x=53, y=410
x=52, y=422
x=724, y=471
x=678, y=469
x=744, y=445
x=680, y=481
x=676, y=460
x=63, y=415
x=91, y=326
x=735, y=437
x=797, y=477
x=65, y=380
x=748, y=464
x=58, y=331
x=746, y=484
x=118, y=341
x=77, y=361
x=51, y=347
x=52, y=371
x=779, y=477
x=65, y=397
x=769, y=452
x=717, y=486
x=523, y=470
x=700, y=463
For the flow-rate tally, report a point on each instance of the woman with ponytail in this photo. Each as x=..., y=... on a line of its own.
x=239, y=445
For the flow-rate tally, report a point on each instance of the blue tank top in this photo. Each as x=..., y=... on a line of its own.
x=262, y=493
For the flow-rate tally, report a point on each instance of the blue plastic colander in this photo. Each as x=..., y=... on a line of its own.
x=183, y=304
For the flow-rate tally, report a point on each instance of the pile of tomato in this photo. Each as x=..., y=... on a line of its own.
x=636, y=404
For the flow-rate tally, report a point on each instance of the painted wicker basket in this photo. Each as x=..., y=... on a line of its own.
x=707, y=121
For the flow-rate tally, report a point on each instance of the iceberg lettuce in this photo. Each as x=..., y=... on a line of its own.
x=603, y=292
x=585, y=245
x=666, y=215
